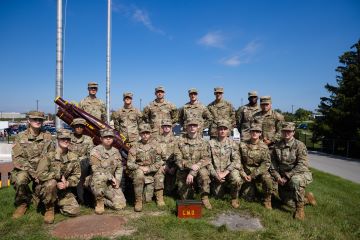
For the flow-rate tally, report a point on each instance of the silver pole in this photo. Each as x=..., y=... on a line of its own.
x=108, y=63
x=59, y=58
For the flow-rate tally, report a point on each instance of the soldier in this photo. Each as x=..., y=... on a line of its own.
x=194, y=109
x=192, y=158
x=244, y=115
x=81, y=145
x=127, y=119
x=220, y=109
x=255, y=158
x=107, y=170
x=93, y=105
x=226, y=166
x=167, y=143
x=58, y=174
x=158, y=110
x=290, y=168
x=271, y=122
x=29, y=147
x=144, y=163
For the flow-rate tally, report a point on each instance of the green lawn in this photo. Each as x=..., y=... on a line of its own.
x=337, y=216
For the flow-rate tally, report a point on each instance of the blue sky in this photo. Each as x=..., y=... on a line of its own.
x=286, y=49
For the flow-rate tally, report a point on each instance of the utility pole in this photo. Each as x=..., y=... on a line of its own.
x=292, y=109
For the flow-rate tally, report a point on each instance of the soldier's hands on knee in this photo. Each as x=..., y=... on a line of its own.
x=195, y=167
x=248, y=178
x=189, y=179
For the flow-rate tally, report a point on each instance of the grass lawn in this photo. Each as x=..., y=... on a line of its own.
x=337, y=216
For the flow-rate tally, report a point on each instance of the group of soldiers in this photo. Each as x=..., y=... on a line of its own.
x=159, y=163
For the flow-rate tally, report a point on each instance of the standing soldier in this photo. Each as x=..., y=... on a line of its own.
x=158, y=110
x=127, y=119
x=194, y=109
x=58, y=174
x=255, y=158
x=81, y=145
x=192, y=158
x=271, y=122
x=226, y=166
x=29, y=147
x=290, y=168
x=220, y=109
x=244, y=115
x=93, y=105
x=144, y=163
x=107, y=171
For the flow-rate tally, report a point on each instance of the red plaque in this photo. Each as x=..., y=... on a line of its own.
x=189, y=208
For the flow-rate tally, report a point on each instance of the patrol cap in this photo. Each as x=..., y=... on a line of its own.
x=63, y=133
x=127, y=94
x=256, y=127
x=288, y=126
x=223, y=123
x=193, y=90
x=252, y=94
x=166, y=122
x=160, y=88
x=78, y=121
x=36, y=114
x=218, y=90
x=192, y=121
x=265, y=100
x=144, y=128
x=93, y=85
x=107, y=132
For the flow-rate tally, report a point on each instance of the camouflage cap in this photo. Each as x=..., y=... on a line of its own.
x=36, y=114
x=223, y=123
x=193, y=90
x=144, y=128
x=93, y=84
x=256, y=127
x=192, y=121
x=63, y=133
x=288, y=126
x=252, y=94
x=107, y=132
x=265, y=100
x=78, y=121
x=160, y=88
x=128, y=94
x=219, y=89
x=166, y=122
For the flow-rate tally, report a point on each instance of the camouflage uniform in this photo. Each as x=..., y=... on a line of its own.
x=106, y=165
x=93, y=106
x=195, y=110
x=127, y=121
x=145, y=155
x=222, y=110
x=26, y=154
x=244, y=117
x=156, y=111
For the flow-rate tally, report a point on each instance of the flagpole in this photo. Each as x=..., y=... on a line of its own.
x=108, y=62
x=59, y=58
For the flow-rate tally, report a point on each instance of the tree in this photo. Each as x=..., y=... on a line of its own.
x=302, y=114
x=341, y=110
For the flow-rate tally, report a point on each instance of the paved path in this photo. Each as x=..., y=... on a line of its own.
x=340, y=166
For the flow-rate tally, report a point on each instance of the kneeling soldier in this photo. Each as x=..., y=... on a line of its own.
x=226, y=166
x=255, y=158
x=144, y=162
x=107, y=170
x=192, y=157
x=59, y=174
x=290, y=168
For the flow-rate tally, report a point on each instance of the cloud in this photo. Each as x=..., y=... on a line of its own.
x=212, y=39
x=232, y=61
x=251, y=48
x=245, y=55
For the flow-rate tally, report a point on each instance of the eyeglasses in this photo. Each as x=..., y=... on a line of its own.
x=65, y=139
x=92, y=88
x=79, y=126
x=36, y=119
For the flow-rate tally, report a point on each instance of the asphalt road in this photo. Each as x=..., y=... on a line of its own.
x=340, y=166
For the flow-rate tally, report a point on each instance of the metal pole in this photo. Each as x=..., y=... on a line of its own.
x=37, y=105
x=108, y=63
x=59, y=57
x=140, y=104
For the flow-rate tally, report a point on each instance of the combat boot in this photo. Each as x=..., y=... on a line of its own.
x=49, y=214
x=267, y=202
x=235, y=203
x=20, y=211
x=206, y=202
x=160, y=198
x=299, y=213
x=310, y=199
x=99, y=208
x=138, y=204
